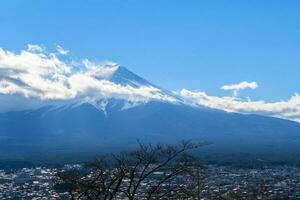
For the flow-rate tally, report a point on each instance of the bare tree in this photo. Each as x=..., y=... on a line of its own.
x=150, y=172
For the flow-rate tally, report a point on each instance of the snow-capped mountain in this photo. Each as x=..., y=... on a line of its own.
x=115, y=118
x=121, y=76
x=125, y=77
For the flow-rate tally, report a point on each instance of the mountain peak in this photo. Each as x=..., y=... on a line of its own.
x=123, y=76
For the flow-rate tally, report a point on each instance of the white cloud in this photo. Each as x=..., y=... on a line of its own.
x=35, y=77
x=34, y=48
x=61, y=50
x=35, y=73
x=100, y=71
x=240, y=86
x=289, y=109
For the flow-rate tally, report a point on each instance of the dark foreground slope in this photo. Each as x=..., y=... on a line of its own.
x=84, y=130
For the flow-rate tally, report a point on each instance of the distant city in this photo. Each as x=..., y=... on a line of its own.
x=225, y=182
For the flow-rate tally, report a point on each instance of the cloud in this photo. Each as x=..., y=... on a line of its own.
x=100, y=71
x=35, y=73
x=61, y=50
x=34, y=77
x=289, y=109
x=240, y=86
x=34, y=48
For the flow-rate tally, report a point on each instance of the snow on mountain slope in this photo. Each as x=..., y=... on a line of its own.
x=122, y=77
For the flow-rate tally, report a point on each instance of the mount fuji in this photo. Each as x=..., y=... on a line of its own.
x=89, y=126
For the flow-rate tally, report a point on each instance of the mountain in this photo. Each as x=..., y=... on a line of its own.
x=91, y=126
x=125, y=77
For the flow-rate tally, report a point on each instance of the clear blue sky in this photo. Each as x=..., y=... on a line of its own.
x=175, y=44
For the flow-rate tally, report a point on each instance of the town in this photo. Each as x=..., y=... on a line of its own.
x=224, y=182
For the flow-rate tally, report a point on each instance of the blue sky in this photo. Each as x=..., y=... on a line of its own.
x=188, y=44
